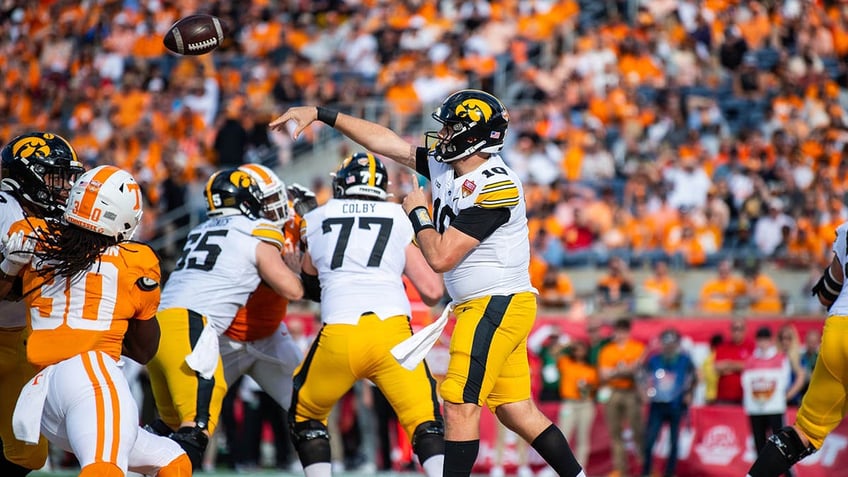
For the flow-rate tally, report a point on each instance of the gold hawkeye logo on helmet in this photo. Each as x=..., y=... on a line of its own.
x=240, y=179
x=30, y=146
x=474, y=109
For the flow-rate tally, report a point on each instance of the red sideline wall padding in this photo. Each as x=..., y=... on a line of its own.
x=714, y=442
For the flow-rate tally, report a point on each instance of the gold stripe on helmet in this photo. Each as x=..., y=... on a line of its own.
x=209, y=190
x=372, y=170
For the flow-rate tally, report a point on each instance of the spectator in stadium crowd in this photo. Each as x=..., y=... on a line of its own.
x=720, y=294
x=767, y=385
x=616, y=287
x=578, y=385
x=556, y=290
x=789, y=343
x=618, y=364
x=760, y=292
x=768, y=231
x=709, y=375
x=730, y=358
x=598, y=336
x=662, y=287
x=549, y=354
x=670, y=380
x=810, y=354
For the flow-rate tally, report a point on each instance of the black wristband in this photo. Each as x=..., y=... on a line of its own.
x=327, y=116
x=420, y=218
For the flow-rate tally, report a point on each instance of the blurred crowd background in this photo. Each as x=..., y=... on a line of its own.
x=694, y=132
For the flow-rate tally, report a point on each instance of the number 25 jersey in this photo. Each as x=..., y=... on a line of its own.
x=359, y=249
x=217, y=270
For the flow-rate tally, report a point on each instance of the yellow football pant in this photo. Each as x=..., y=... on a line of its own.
x=488, y=351
x=343, y=354
x=15, y=372
x=181, y=394
x=824, y=406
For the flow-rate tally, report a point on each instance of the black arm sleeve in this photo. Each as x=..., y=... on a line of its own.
x=311, y=286
x=421, y=165
x=479, y=222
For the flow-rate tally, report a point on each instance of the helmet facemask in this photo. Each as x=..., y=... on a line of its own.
x=275, y=204
x=41, y=168
x=275, y=207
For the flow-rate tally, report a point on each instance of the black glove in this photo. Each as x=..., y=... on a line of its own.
x=303, y=199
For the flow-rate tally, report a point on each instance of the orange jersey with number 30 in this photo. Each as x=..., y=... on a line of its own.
x=264, y=310
x=91, y=312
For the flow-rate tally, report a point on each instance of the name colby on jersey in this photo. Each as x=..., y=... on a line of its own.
x=359, y=208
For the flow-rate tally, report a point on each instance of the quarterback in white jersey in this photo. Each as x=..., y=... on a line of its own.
x=493, y=186
x=479, y=239
x=223, y=261
x=823, y=406
x=358, y=248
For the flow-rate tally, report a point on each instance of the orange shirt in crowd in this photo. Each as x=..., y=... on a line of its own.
x=575, y=377
x=665, y=286
x=719, y=295
x=769, y=300
x=615, y=354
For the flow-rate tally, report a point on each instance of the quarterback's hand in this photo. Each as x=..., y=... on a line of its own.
x=301, y=116
x=17, y=253
x=415, y=198
x=303, y=199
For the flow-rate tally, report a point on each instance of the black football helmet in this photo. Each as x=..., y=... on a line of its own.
x=361, y=176
x=233, y=192
x=472, y=121
x=40, y=168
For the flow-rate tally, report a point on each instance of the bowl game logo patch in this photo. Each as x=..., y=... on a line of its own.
x=468, y=187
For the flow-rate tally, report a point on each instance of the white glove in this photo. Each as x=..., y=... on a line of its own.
x=18, y=253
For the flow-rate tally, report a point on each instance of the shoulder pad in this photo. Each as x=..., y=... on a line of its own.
x=141, y=256
x=500, y=192
x=268, y=232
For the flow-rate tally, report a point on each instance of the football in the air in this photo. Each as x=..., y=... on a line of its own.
x=195, y=35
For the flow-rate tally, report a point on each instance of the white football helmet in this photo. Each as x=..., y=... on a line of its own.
x=106, y=200
x=275, y=205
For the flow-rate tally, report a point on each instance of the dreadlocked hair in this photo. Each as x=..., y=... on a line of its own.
x=67, y=250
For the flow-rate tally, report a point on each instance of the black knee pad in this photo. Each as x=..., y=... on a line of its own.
x=159, y=428
x=311, y=441
x=194, y=442
x=428, y=440
x=782, y=450
x=789, y=444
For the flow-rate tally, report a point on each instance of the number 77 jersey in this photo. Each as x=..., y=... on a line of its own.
x=359, y=249
x=217, y=270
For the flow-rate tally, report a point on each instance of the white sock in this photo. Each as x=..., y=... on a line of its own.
x=433, y=467
x=318, y=469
